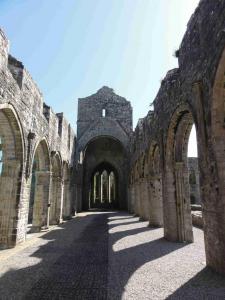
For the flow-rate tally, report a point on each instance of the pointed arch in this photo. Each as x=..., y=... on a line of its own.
x=39, y=186
x=176, y=193
x=11, y=177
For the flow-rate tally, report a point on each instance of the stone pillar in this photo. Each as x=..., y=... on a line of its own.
x=136, y=198
x=109, y=188
x=99, y=189
x=9, y=181
x=60, y=204
x=155, y=201
x=101, y=193
x=56, y=200
x=94, y=188
x=144, y=199
x=41, y=200
x=184, y=221
x=78, y=178
x=67, y=205
x=132, y=198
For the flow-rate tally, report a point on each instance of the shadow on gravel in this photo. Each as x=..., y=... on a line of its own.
x=205, y=285
x=70, y=266
x=72, y=262
x=124, y=224
x=130, y=259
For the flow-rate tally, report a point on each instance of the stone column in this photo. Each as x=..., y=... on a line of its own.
x=132, y=198
x=184, y=221
x=98, y=189
x=136, y=198
x=94, y=188
x=144, y=207
x=109, y=188
x=60, y=204
x=155, y=196
x=67, y=205
x=9, y=181
x=41, y=200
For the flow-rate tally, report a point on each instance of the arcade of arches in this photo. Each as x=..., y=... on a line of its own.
x=47, y=173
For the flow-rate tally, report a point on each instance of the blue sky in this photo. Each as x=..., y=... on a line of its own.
x=74, y=47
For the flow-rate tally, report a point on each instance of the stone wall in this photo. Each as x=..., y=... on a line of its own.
x=192, y=93
x=103, y=119
x=151, y=162
x=25, y=123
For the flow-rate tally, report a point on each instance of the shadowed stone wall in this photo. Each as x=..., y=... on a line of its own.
x=191, y=93
x=31, y=134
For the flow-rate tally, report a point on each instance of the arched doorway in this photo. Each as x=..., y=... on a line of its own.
x=104, y=187
x=107, y=154
x=176, y=191
x=11, y=166
x=39, y=188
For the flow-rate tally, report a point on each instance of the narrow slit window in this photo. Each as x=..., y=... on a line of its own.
x=103, y=113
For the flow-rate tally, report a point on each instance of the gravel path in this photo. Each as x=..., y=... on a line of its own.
x=81, y=260
x=142, y=265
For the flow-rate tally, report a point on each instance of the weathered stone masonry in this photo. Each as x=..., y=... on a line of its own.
x=37, y=148
x=192, y=93
x=45, y=178
x=104, y=129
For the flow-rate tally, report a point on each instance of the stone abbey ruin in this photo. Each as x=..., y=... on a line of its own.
x=47, y=173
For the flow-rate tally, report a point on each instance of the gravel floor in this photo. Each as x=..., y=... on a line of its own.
x=81, y=260
x=142, y=265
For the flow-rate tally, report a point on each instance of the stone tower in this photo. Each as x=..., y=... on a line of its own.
x=104, y=128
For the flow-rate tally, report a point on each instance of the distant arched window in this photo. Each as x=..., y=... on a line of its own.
x=1, y=156
x=103, y=113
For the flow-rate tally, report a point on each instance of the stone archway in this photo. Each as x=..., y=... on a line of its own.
x=11, y=166
x=109, y=151
x=67, y=203
x=176, y=193
x=39, y=188
x=56, y=190
x=155, y=187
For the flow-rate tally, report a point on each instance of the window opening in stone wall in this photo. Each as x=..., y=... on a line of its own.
x=193, y=169
x=103, y=188
x=103, y=113
x=1, y=156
